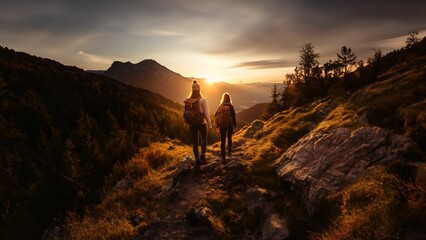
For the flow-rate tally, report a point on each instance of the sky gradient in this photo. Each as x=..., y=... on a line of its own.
x=233, y=41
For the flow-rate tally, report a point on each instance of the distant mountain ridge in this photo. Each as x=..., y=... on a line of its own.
x=248, y=115
x=151, y=75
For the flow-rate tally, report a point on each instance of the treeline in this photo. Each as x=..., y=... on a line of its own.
x=61, y=131
x=311, y=81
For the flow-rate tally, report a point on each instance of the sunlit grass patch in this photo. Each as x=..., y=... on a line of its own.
x=384, y=101
x=287, y=136
x=157, y=158
x=379, y=206
x=99, y=228
x=368, y=207
x=341, y=116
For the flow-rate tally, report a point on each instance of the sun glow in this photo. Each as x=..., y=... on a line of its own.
x=212, y=78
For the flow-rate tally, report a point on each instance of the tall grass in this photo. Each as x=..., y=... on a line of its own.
x=147, y=174
x=379, y=206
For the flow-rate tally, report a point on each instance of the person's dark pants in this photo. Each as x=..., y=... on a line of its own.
x=226, y=132
x=195, y=129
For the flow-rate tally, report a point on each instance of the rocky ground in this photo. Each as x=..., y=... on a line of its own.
x=186, y=215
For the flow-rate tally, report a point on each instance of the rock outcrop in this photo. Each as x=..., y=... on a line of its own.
x=256, y=197
x=184, y=167
x=275, y=228
x=252, y=129
x=321, y=163
x=236, y=173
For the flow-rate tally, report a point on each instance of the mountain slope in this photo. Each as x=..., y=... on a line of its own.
x=61, y=131
x=250, y=114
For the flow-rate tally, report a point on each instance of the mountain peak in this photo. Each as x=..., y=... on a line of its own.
x=148, y=61
x=149, y=74
x=128, y=63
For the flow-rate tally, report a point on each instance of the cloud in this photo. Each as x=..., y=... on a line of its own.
x=284, y=26
x=95, y=58
x=165, y=33
x=274, y=30
x=263, y=64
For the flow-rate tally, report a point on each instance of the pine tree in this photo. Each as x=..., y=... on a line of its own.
x=308, y=60
x=274, y=106
x=346, y=58
x=412, y=39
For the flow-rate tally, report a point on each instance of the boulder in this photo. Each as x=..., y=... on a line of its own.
x=275, y=228
x=52, y=234
x=321, y=163
x=256, y=197
x=199, y=216
x=254, y=128
x=236, y=172
x=214, y=166
x=123, y=183
x=184, y=167
x=136, y=218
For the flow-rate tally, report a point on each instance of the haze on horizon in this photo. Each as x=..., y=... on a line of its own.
x=233, y=41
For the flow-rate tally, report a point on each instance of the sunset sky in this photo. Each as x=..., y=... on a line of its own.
x=233, y=41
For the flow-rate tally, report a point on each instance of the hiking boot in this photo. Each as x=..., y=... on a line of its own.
x=203, y=159
x=197, y=166
x=197, y=162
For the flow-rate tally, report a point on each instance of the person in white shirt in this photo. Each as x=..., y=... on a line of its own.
x=200, y=128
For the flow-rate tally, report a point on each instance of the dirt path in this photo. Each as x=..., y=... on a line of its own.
x=190, y=189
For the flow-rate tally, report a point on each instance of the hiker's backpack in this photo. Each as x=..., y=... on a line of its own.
x=224, y=117
x=192, y=113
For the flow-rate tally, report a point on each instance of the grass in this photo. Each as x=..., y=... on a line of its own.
x=92, y=227
x=380, y=206
x=148, y=173
x=415, y=122
x=341, y=116
x=384, y=101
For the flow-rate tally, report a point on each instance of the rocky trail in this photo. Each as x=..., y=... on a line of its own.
x=190, y=187
x=184, y=217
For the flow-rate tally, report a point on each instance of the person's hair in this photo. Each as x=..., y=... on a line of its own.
x=225, y=98
x=195, y=94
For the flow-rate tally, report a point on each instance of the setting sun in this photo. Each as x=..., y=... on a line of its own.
x=212, y=78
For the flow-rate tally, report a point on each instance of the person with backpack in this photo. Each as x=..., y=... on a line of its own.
x=225, y=122
x=197, y=116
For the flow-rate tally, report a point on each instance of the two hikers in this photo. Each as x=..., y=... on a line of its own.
x=196, y=114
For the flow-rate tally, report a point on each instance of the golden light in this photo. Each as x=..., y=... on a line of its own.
x=212, y=78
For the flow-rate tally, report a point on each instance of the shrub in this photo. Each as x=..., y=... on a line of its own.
x=157, y=158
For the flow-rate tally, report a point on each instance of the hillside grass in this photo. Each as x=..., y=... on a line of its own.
x=381, y=205
x=390, y=103
x=147, y=174
x=341, y=116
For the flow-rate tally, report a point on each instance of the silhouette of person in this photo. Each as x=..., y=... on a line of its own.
x=226, y=129
x=200, y=128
